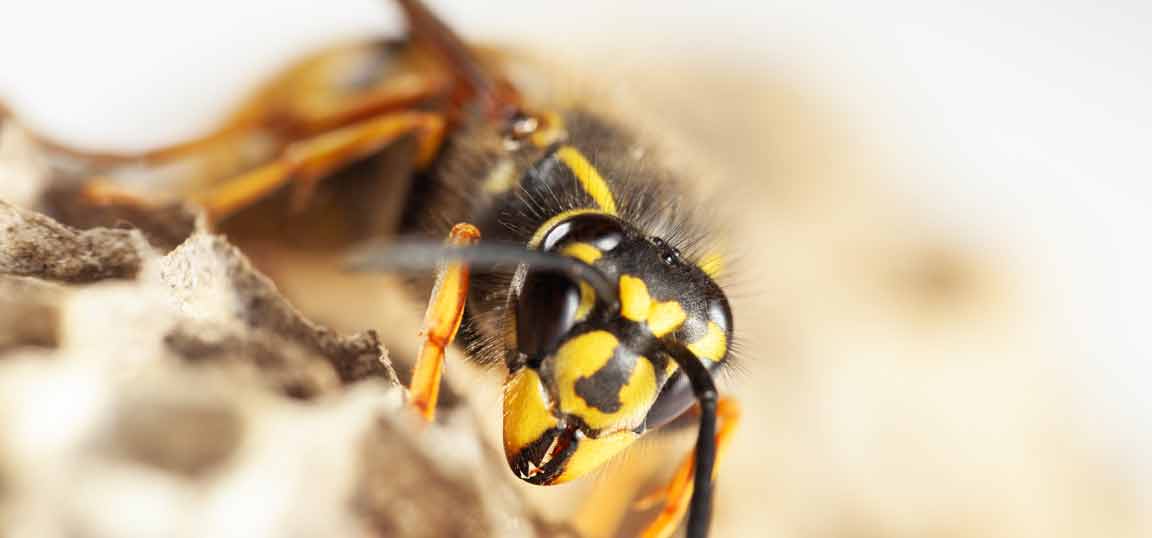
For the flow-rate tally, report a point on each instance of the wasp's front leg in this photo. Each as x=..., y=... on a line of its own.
x=441, y=322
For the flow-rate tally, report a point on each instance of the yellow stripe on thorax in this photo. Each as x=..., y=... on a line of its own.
x=590, y=179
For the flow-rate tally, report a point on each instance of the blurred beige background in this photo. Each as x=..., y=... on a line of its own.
x=939, y=214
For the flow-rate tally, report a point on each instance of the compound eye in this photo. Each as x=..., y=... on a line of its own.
x=545, y=312
x=677, y=397
x=601, y=231
x=548, y=303
x=674, y=399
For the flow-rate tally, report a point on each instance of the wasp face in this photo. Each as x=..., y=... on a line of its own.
x=589, y=378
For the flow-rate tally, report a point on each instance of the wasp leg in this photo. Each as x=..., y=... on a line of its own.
x=307, y=162
x=677, y=493
x=101, y=191
x=296, y=104
x=406, y=94
x=287, y=117
x=441, y=321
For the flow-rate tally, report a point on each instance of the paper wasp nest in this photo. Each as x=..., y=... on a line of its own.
x=148, y=391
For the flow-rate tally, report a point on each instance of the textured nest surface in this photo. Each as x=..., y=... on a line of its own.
x=158, y=385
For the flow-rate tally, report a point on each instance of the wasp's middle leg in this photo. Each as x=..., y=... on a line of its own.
x=306, y=162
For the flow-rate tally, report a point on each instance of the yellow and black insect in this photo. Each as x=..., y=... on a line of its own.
x=591, y=283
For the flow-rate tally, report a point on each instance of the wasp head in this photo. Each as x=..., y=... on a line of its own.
x=589, y=376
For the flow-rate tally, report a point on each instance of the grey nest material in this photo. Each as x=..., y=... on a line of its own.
x=153, y=391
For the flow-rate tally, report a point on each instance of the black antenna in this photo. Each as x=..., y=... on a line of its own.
x=700, y=507
x=421, y=255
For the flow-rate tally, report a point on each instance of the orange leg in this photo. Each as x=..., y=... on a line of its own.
x=101, y=191
x=303, y=101
x=298, y=129
x=441, y=321
x=307, y=162
x=678, y=492
x=404, y=93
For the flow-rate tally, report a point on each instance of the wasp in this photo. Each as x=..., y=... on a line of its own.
x=571, y=257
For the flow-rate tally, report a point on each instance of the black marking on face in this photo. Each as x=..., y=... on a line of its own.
x=602, y=389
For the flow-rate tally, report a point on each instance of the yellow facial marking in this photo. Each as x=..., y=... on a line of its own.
x=526, y=413
x=634, y=299
x=712, y=345
x=590, y=179
x=638, y=306
x=542, y=232
x=665, y=317
x=592, y=453
x=587, y=301
x=583, y=252
x=585, y=355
